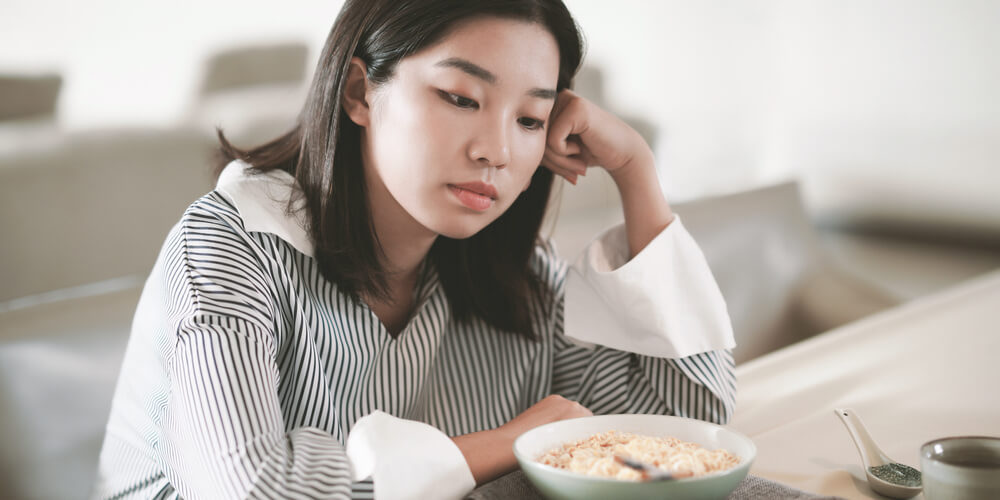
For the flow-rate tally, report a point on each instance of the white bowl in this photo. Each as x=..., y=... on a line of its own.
x=961, y=468
x=558, y=484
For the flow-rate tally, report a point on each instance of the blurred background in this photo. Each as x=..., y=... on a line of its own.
x=885, y=112
x=832, y=158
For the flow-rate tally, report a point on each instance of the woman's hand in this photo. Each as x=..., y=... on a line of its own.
x=551, y=409
x=582, y=135
x=490, y=454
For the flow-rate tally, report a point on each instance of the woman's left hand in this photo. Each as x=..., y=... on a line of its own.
x=582, y=134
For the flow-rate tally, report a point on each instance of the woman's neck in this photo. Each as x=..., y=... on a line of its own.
x=405, y=244
x=404, y=241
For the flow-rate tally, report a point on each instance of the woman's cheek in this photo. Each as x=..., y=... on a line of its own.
x=527, y=181
x=526, y=171
x=443, y=127
x=534, y=149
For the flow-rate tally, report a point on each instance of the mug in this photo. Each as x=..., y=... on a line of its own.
x=961, y=468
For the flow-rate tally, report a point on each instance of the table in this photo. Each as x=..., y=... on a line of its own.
x=925, y=369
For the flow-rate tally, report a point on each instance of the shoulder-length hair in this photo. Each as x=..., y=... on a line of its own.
x=486, y=275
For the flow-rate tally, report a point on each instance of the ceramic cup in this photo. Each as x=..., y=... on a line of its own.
x=961, y=468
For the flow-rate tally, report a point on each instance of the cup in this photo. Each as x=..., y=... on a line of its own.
x=961, y=468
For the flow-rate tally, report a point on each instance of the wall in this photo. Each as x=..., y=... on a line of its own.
x=890, y=111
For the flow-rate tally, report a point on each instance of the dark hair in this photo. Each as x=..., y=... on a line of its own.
x=323, y=153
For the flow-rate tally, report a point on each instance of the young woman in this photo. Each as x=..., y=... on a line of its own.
x=366, y=298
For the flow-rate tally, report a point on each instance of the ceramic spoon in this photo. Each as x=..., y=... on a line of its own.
x=873, y=456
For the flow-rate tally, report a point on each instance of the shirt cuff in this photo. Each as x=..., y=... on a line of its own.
x=663, y=303
x=407, y=459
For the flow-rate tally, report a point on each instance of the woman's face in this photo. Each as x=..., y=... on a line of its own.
x=457, y=133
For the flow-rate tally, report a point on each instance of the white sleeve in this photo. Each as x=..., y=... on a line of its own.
x=663, y=303
x=407, y=459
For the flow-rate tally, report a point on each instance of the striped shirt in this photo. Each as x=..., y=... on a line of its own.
x=247, y=373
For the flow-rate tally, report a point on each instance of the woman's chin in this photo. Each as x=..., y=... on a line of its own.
x=460, y=234
x=460, y=230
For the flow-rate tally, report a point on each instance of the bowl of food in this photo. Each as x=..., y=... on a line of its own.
x=590, y=457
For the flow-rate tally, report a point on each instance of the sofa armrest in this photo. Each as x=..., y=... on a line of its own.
x=834, y=296
x=58, y=365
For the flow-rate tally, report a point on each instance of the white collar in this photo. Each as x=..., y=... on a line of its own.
x=262, y=201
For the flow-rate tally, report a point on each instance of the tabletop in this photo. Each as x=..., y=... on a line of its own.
x=920, y=371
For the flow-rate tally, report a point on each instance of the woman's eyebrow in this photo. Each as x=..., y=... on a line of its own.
x=483, y=74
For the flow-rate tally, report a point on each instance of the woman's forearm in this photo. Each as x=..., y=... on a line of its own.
x=646, y=209
x=489, y=454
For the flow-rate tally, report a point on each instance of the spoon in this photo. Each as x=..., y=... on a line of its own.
x=874, y=458
x=650, y=472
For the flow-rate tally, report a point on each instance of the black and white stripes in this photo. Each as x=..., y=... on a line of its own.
x=246, y=370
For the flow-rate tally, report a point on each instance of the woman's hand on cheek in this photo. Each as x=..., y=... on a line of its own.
x=581, y=135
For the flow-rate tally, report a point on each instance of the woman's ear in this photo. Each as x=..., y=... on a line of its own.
x=355, y=97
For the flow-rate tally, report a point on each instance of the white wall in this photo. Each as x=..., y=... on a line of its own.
x=885, y=108
x=890, y=109
x=699, y=71
x=139, y=61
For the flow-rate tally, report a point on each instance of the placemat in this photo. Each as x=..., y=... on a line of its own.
x=516, y=486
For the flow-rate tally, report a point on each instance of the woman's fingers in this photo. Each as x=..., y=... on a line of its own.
x=557, y=167
x=561, y=172
x=580, y=129
x=564, y=154
x=575, y=165
x=567, y=167
x=568, y=121
x=573, y=146
x=550, y=409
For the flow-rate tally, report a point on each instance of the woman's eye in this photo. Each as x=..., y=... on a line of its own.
x=531, y=123
x=466, y=103
x=459, y=101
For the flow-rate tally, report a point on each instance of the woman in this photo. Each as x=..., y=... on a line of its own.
x=365, y=299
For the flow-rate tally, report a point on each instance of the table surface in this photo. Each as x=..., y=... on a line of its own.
x=920, y=371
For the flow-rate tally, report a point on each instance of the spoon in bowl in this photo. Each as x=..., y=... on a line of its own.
x=885, y=475
x=650, y=472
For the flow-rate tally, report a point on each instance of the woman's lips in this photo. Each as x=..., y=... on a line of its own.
x=475, y=195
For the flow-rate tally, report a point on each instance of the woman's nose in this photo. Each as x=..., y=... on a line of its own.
x=491, y=147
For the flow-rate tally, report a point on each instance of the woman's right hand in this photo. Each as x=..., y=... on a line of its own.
x=490, y=454
x=551, y=409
